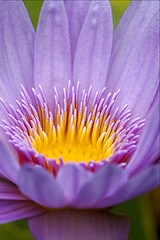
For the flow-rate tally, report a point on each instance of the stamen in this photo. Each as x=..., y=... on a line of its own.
x=90, y=133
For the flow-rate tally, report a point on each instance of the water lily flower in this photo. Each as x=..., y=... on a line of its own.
x=79, y=109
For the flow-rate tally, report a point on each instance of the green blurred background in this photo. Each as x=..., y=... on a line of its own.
x=143, y=211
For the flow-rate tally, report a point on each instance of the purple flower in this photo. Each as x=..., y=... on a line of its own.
x=79, y=108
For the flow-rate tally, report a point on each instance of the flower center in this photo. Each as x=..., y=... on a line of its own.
x=83, y=129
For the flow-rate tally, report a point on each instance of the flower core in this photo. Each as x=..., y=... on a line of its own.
x=82, y=128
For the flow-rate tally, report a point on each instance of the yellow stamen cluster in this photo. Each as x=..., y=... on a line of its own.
x=84, y=129
x=76, y=133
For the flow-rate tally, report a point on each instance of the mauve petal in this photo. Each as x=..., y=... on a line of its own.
x=76, y=13
x=154, y=153
x=79, y=225
x=102, y=184
x=2, y=176
x=71, y=177
x=9, y=191
x=156, y=97
x=16, y=49
x=143, y=182
x=148, y=148
x=134, y=65
x=94, y=46
x=52, y=49
x=8, y=163
x=41, y=187
x=15, y=210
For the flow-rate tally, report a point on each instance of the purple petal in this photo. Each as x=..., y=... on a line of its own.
x=2, y=176
x=9, y=191
x=134, y=65
x=143, y=182
x=79, y=224
x=156, y=97
x=94, y=46
x=102, y=184
x=8, y=163
x=148, y=148
x=15, y=210
x=76, y=10
x=41, y=187
x=71, y=178
x=16, y=49
x=52, y=49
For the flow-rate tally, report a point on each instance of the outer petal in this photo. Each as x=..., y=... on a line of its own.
x=52, y=48
x=9, y=191
x=8, y=163
x=103, y=183
x=143, y=182
x=156, y=98
x=94, y=46
x=71, y=178
x=75, y=224
x=41, y=187
x=134, y=65
x=15, y=210
x=148, y=149
x=16, y=49
x=76, y=13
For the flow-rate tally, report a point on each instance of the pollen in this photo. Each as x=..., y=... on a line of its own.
x=83, y=127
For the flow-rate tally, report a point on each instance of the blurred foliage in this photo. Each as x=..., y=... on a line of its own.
x=15, y=231
x=118, y=7
x=143, y=211
x=33, y=8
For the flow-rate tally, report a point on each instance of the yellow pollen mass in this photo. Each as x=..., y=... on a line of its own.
x=82, y=127
x=73, y=136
